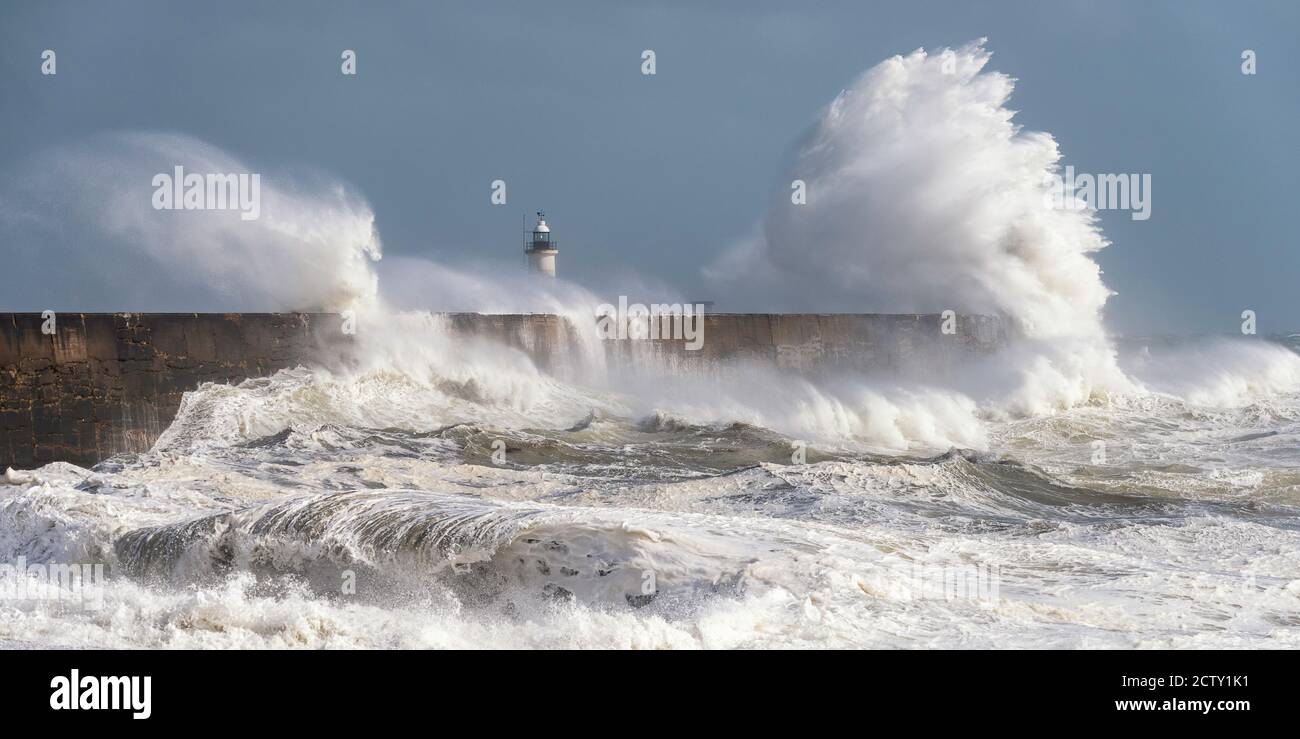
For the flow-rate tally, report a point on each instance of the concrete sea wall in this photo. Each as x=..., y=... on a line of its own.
x=101, y=384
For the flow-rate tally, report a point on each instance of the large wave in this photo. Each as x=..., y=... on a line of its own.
x=663, y=507
x=922, y=195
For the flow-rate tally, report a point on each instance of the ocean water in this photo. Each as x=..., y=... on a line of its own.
x=378, y=506
x=1070, y=491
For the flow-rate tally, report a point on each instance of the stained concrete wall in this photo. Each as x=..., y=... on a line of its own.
x=107, y=383
x=813, y=343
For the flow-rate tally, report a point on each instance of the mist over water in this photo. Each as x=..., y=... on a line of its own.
x=923, y=195
x=1087, y=492
x=79, y=222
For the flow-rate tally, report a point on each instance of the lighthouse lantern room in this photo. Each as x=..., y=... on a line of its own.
x=540, y=248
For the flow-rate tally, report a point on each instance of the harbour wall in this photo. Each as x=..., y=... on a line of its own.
x=85, y=386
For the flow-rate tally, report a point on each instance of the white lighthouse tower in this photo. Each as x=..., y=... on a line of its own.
x=539, y=247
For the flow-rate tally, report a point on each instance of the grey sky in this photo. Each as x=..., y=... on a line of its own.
x=658, y=175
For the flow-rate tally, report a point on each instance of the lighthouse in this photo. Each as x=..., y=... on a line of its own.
x=540, y=248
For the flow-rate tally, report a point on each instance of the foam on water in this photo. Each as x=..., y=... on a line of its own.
x=247, y=547
x=434, y=490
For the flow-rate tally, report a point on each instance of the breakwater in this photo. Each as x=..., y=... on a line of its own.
x=85, y=386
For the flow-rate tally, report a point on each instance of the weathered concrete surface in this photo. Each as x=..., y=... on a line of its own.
x=819, y=343
x=106, y=383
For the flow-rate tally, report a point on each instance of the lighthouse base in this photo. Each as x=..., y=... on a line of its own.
x=543, y=260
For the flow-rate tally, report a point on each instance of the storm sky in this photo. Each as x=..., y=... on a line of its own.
x=656, y=176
